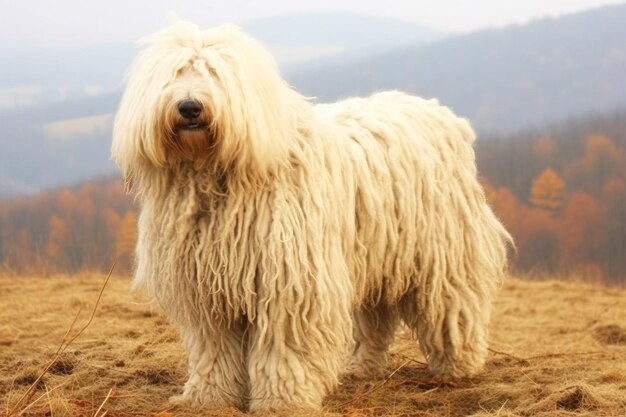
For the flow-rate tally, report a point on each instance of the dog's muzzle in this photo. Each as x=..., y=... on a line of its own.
x=190, y=110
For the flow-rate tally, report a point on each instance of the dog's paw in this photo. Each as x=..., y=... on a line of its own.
x=364, y=370
x=179, y=400
x=202, y=400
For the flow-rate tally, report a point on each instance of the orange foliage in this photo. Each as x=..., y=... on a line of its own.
x=112, y=222
x=507, y=207
x=602, y=161
x=64, y=230
x=126, y=241
x=602, y=151
x=544, y=148
x=66, y=201
x=579, y=219
x=20, y=252
x=58, y=236
x=614, y=189
x=582, y=234
x=537, y=241
x=548, y=192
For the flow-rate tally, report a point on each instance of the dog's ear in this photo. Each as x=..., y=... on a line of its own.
x=128, y=183
x=124, y=155
x=258, y=115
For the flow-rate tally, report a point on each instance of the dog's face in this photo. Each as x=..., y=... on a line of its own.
x=212, y=97
x=188, y=115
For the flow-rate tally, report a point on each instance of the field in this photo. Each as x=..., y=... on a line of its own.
x=557, y=349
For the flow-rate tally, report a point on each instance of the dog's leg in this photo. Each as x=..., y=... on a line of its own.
x=290, y=372
x=452, y=328
x=299, y=340
x=217, y=373
x=374, y=329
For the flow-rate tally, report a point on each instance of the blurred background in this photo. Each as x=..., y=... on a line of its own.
x=543, y=82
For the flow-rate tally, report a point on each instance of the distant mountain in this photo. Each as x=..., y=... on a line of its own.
x=37, y=152
x=50, y=75
x=55, y=143
x=346, y=29
x=45, y=75
x=335, y=36
x=53, y=101
x=500, y=79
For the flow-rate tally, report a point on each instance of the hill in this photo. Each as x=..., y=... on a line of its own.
x=323, y=38
x=50, y=75
x=46, y=93
x=503, y=78
x=563, y=354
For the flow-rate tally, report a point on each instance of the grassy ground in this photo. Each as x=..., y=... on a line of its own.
x=558, y=349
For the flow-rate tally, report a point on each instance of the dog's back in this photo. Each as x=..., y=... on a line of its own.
x=416, y=190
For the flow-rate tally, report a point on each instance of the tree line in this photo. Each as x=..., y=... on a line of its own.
x=87, y=227
x=560, y=190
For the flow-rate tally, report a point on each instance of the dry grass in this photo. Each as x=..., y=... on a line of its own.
x=558, y=349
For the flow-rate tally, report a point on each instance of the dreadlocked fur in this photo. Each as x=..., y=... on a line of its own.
x=287, y=240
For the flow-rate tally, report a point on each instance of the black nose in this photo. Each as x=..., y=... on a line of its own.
x=189, y=109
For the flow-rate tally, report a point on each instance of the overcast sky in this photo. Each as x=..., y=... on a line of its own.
x=45, y=23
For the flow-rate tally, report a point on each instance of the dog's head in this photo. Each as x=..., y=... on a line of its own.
x=212, y=97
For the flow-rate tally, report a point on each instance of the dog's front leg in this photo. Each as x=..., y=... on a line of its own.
x=303, y=325
x=217, y=373
x=292, y=363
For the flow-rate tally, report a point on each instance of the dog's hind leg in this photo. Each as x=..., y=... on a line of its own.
x=374, y=330
x=452, y=328
x=217, y=372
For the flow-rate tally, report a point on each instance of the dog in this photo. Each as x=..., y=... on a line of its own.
x=286, y=240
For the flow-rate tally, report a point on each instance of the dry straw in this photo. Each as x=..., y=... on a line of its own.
x=65, y=342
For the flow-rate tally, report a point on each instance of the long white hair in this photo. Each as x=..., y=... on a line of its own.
x=254, y=116
x=267, y=225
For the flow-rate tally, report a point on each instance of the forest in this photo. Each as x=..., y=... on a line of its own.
x=561, y=192
x=559, y=189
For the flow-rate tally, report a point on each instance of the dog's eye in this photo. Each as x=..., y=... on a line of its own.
x=212, y=71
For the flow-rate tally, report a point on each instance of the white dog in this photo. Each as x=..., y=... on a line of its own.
x=282, y=237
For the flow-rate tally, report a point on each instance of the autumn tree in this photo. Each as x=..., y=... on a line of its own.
x=87, y=232
x=66, y=201
x=111, y=223
x=538, y=241
x=4, y=231
x=126, y=241
x=612, y=250
x=58, y=240
x=579, y=234
x=601, y=161
x=67, y=229
x=21, y=254
x=507, y=207
x=548, y=192
x=545, y=150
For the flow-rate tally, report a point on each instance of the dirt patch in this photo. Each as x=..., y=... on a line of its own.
x=157, y=376
x=582, y=399
x=64, y=365
x=611, y=334
x=27, y=378
x=572, y=400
